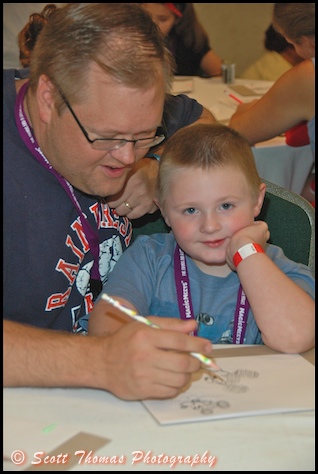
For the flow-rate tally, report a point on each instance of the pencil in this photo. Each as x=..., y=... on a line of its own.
x=137, y=317
x=233, y=97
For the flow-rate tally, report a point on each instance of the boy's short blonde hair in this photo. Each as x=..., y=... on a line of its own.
x=207, y=146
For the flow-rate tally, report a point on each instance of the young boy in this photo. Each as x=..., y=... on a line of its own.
x=214, y=265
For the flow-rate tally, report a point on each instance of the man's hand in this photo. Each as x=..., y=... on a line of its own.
x=139, y=362
x=136, y=199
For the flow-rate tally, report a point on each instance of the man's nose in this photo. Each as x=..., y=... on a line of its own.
x=126, y=154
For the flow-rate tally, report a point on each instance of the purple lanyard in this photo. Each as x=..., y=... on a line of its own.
x=27, y=136
x=241, y=315
x=185, y=301
x=183, y=286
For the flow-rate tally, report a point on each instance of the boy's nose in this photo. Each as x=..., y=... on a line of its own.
x=210, y=223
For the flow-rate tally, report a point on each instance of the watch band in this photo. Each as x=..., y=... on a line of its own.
x=153, y=155
x=246, y=251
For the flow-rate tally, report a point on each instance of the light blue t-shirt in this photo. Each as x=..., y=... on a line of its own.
x=144, y=275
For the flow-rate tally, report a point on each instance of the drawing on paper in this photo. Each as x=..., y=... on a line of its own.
x=247, y=386
x=231, y=381
x=205, y=407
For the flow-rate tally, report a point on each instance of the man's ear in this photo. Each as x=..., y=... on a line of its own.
x=260, y=199
x=45, y=98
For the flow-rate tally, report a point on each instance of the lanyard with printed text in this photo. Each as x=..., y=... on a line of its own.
x=183, y=286
x=27, y=136
x=185, y=301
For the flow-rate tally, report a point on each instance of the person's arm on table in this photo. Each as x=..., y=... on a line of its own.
x=284, y=312
x=289, y=101
x=206, y=117
x=211, y=64
x=135, y=363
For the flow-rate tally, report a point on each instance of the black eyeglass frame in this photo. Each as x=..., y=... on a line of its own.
x=120, y=141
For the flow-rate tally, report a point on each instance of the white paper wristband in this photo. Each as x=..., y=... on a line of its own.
x=246, y=251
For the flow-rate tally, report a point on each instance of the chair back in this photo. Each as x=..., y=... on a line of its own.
x=149, y=224
x=291, y=221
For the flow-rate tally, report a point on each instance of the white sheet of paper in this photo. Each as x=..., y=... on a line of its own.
x=255, y=385
x=182, y=84
x=224, y=109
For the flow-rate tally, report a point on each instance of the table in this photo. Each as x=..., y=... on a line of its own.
x=42, y=420
x=276, y=162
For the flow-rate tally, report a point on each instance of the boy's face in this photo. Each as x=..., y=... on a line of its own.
x=204, y=208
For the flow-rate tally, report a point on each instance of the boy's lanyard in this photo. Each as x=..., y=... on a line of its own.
x=27, y=136
x=183, y=286
x=185, y=302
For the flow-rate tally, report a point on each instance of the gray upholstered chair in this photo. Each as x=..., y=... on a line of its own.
x=291, y=221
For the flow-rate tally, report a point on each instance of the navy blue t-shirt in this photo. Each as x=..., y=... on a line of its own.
x=47, y=261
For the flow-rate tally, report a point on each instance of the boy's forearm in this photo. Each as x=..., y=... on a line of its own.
x=283, y=311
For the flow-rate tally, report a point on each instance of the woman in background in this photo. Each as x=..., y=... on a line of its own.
x=29, y=33
x=278, y=58
x=186, y=39
x=291, y=99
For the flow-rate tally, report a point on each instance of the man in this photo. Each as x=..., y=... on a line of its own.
x=76, y=133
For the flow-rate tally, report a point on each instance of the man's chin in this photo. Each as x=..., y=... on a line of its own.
x=110, y=190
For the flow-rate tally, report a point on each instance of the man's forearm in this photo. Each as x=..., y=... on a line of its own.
x=35, y=357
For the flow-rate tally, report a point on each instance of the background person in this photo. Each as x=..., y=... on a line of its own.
x=279, y=57
x=186, y=39
x=29, y=33
x=291, y=100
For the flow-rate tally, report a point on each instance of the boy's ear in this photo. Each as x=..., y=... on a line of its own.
x=162, y=212
x=260, y=199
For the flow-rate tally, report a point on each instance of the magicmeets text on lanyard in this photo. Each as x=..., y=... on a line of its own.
x=185, y=301
x=27, y=136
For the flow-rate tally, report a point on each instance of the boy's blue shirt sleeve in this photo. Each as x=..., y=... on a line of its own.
x=134, y=275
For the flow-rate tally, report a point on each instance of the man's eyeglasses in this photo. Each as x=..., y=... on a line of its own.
x=109, y=144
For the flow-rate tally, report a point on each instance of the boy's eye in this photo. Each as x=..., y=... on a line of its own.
x=190, y=210
x=226, y=206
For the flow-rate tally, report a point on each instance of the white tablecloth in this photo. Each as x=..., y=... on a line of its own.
x=39, y=422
